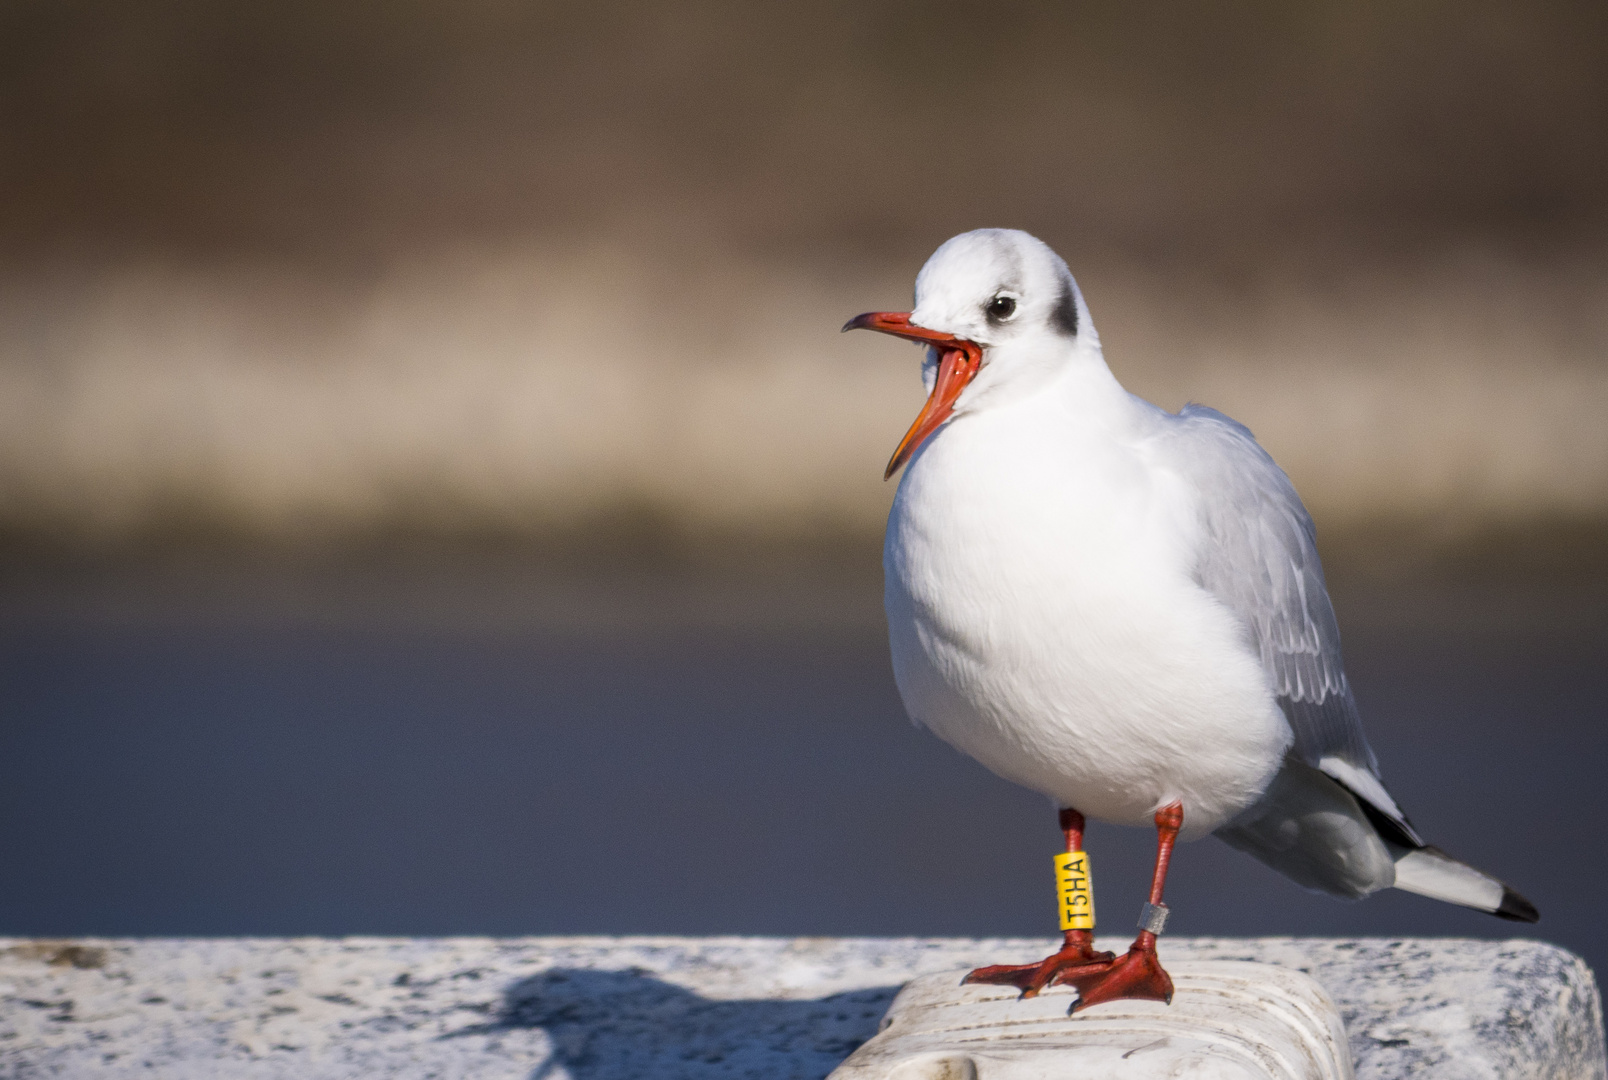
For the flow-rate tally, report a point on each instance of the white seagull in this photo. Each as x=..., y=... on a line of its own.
x=1122, y=608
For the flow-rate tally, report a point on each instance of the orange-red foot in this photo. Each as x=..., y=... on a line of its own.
x=1137, y=974
x=1072, y=963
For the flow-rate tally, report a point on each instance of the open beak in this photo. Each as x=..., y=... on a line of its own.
x=958, y=363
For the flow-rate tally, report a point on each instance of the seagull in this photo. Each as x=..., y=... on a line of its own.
x=1122, y=608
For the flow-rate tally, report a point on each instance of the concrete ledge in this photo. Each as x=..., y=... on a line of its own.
x=1228, y=1020
x=705, y=1008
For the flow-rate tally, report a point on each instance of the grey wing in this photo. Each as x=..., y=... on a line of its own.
x=1260, y=559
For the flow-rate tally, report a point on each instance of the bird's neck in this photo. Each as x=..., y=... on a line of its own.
x=1087, y=385
x=1078, y=388
x=1050, y=372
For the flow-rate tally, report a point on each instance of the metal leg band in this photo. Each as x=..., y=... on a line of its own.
x=1153, y=917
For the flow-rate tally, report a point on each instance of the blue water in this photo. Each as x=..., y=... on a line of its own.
x=486, y=750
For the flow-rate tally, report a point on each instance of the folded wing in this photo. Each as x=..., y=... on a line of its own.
x=1260, y=559
x=1326, y=821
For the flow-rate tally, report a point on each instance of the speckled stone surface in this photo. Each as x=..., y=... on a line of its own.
x=1227, y=1020
x=693, y=1008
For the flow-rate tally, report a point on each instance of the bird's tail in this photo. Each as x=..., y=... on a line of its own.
x=1423, y=868
x=1429, y=871
x=1349, y=840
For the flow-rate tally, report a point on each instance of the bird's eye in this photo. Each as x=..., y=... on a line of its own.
x=1000, y=308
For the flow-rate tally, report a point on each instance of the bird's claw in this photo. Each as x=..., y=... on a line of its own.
x=1070, y=965
x=1137, y=975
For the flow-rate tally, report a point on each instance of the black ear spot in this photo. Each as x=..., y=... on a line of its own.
x=1065, y=316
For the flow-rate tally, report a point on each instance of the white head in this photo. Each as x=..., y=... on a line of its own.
x=997, y=286
x=1002, y=316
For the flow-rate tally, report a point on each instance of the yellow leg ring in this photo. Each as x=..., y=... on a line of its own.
x=1075, y=889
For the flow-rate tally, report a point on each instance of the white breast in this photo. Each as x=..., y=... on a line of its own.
x=1043, y=619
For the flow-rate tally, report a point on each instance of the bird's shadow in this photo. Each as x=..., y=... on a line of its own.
x=622, y=1025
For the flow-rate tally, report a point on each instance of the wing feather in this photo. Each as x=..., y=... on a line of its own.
x=1259, y=557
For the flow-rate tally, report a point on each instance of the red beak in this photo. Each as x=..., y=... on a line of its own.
x=958, y=363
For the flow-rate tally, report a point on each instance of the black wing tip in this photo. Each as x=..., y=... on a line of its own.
x=1516, y=908
x=1394, y=830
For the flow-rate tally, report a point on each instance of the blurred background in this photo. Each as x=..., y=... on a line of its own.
x=434, y=497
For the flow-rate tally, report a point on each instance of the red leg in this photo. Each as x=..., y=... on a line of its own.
x=1076, y=957
x=1138, y=973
